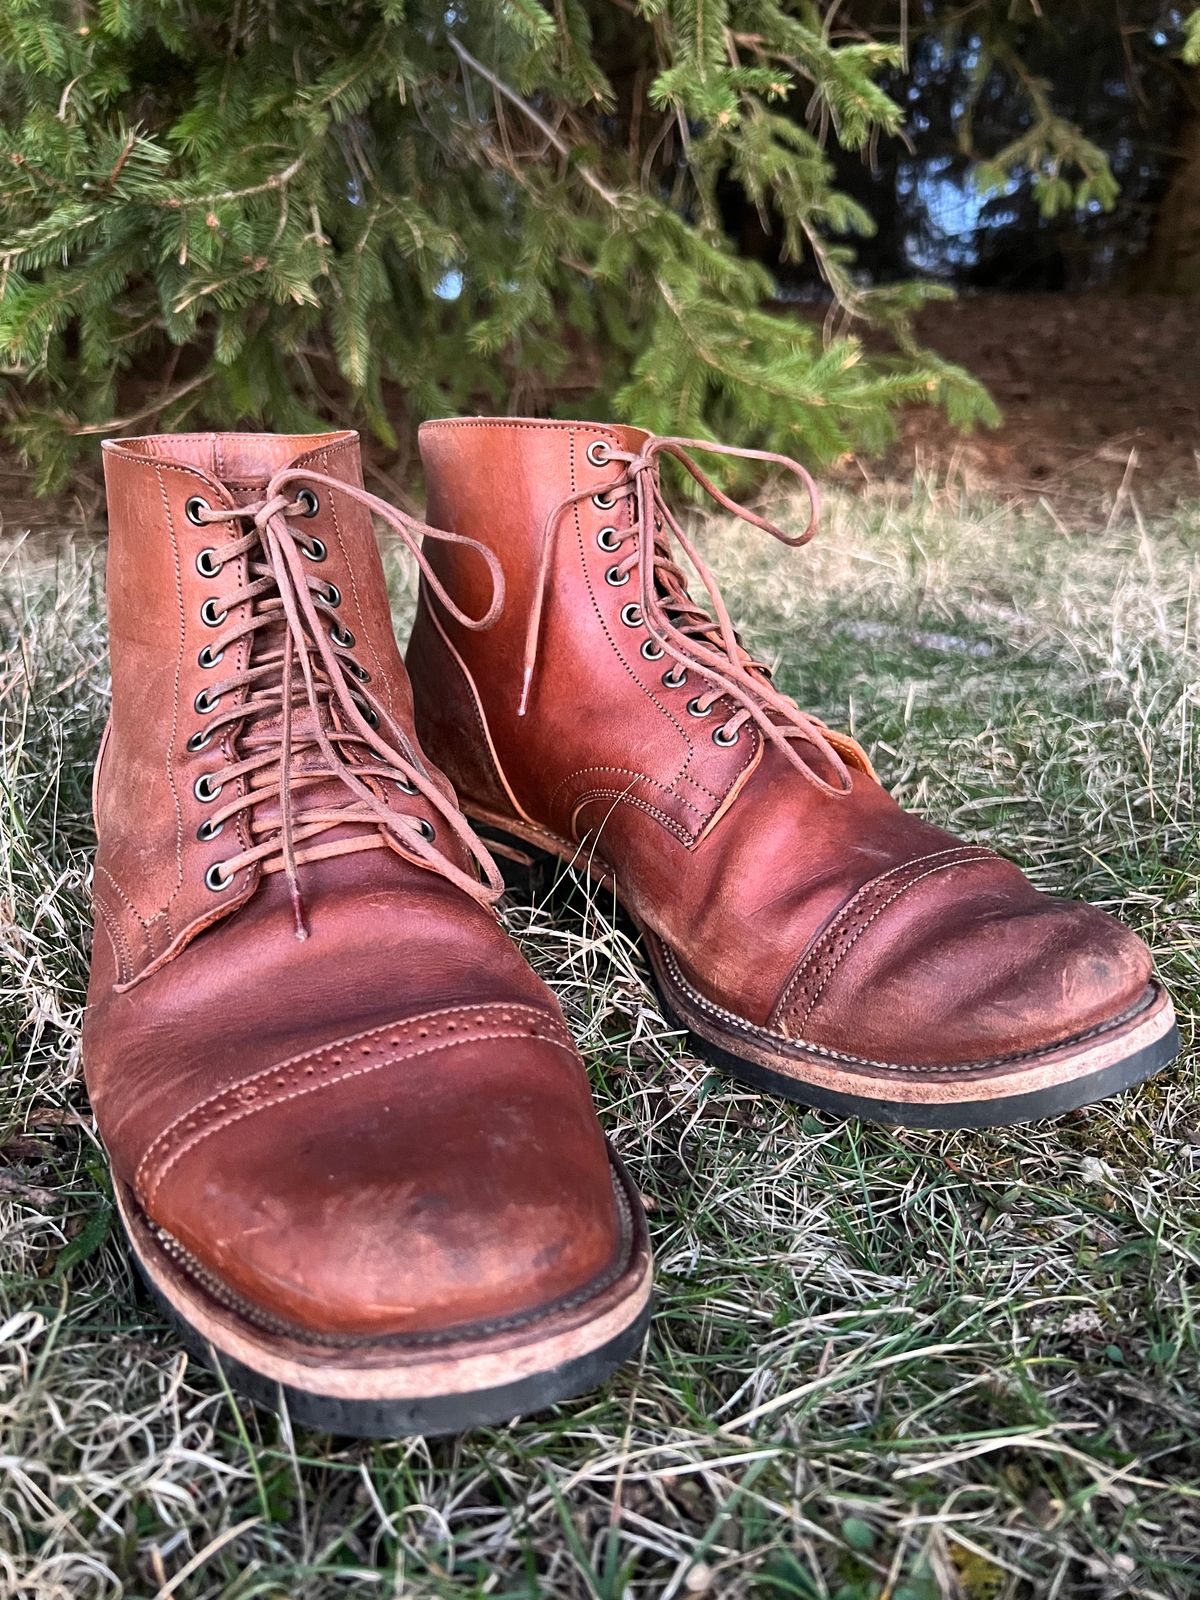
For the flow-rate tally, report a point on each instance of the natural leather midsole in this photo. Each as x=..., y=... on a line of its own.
x=205, y=1279
x=376, y=1371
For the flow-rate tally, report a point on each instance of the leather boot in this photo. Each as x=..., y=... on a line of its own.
x=816, y=939
x=352, y=1143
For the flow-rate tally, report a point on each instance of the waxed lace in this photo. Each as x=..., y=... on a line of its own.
x=696, y=639
x=286, y=602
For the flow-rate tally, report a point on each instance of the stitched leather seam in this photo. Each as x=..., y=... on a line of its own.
x=752, y=743
x=473, y=696
x=830, y=931
x=304, y=1056
x=835, y=956
x=119, y=447
x=506, y=423
x=116, y=938
x=630, y=673
x=323, y=463
x=677, y=828
x=124, y=898
x=692, y=755
x=629, y=773
x=162, y=489
x=773, y=1041
x=391, y=1060
x=324, y=451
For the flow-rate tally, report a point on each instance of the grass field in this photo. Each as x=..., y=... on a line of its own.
x=882, y=1364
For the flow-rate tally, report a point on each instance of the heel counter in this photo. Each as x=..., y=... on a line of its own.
x=449, y=719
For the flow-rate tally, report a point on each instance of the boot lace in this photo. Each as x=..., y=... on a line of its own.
x=696, y=639
x=296, y=660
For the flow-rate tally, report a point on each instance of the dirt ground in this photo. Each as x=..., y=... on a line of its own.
x=1100, y=397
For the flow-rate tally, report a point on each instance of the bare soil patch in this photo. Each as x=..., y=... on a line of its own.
x=1100, y=397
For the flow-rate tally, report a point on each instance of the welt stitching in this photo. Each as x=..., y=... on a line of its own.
x=835, y=957
x=431, y=1340
x=391, y=1060
x=324, y=1049
x=869, y=888
x=775, y=1040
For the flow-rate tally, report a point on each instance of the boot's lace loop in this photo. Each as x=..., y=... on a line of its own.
x=298, y=658
x=695, y=638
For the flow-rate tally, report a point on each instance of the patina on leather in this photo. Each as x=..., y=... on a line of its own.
x=612, y=712
x=321, y=1068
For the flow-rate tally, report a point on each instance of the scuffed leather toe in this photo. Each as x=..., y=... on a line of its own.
x=470, y=1186
x=974, y=966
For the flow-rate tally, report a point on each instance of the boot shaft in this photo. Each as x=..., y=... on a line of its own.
x=605, y=713
x=170, y=584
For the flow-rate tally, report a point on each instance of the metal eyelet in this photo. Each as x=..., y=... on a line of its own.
x=192, y=509
x=315, y=549
x=369, y=714
x=209, y=830
x=207, y=564
x=604, y=502
x=215, y=879
x=652, y=650
x=355, y=671
x=406, y=786
x=598, y=453
x=426, y=829
x=205, y=789
x=616, y=577
x=695, y=709
x=199, y=741
x=210, y=616
x=631, y=615
x=205, y=702
x=608, y=539
x=206, y=658
x=724, y=739
x=309, y=503
x=333, y=595
x=342, y=637
x=675, y=678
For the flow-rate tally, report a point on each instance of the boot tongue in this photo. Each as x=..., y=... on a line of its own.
x=250, y=459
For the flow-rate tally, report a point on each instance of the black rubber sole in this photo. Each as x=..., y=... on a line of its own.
x=1002, y=1111
x=395, y=1419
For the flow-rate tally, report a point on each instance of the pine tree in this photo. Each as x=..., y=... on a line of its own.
x=267, y=212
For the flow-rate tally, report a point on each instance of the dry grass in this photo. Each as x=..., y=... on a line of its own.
x=882, y=1364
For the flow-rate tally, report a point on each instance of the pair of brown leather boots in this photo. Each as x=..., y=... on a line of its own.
x=353, y=1143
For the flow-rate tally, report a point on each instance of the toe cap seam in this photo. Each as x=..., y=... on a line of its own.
x=823, y=961
x=244, y=1098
